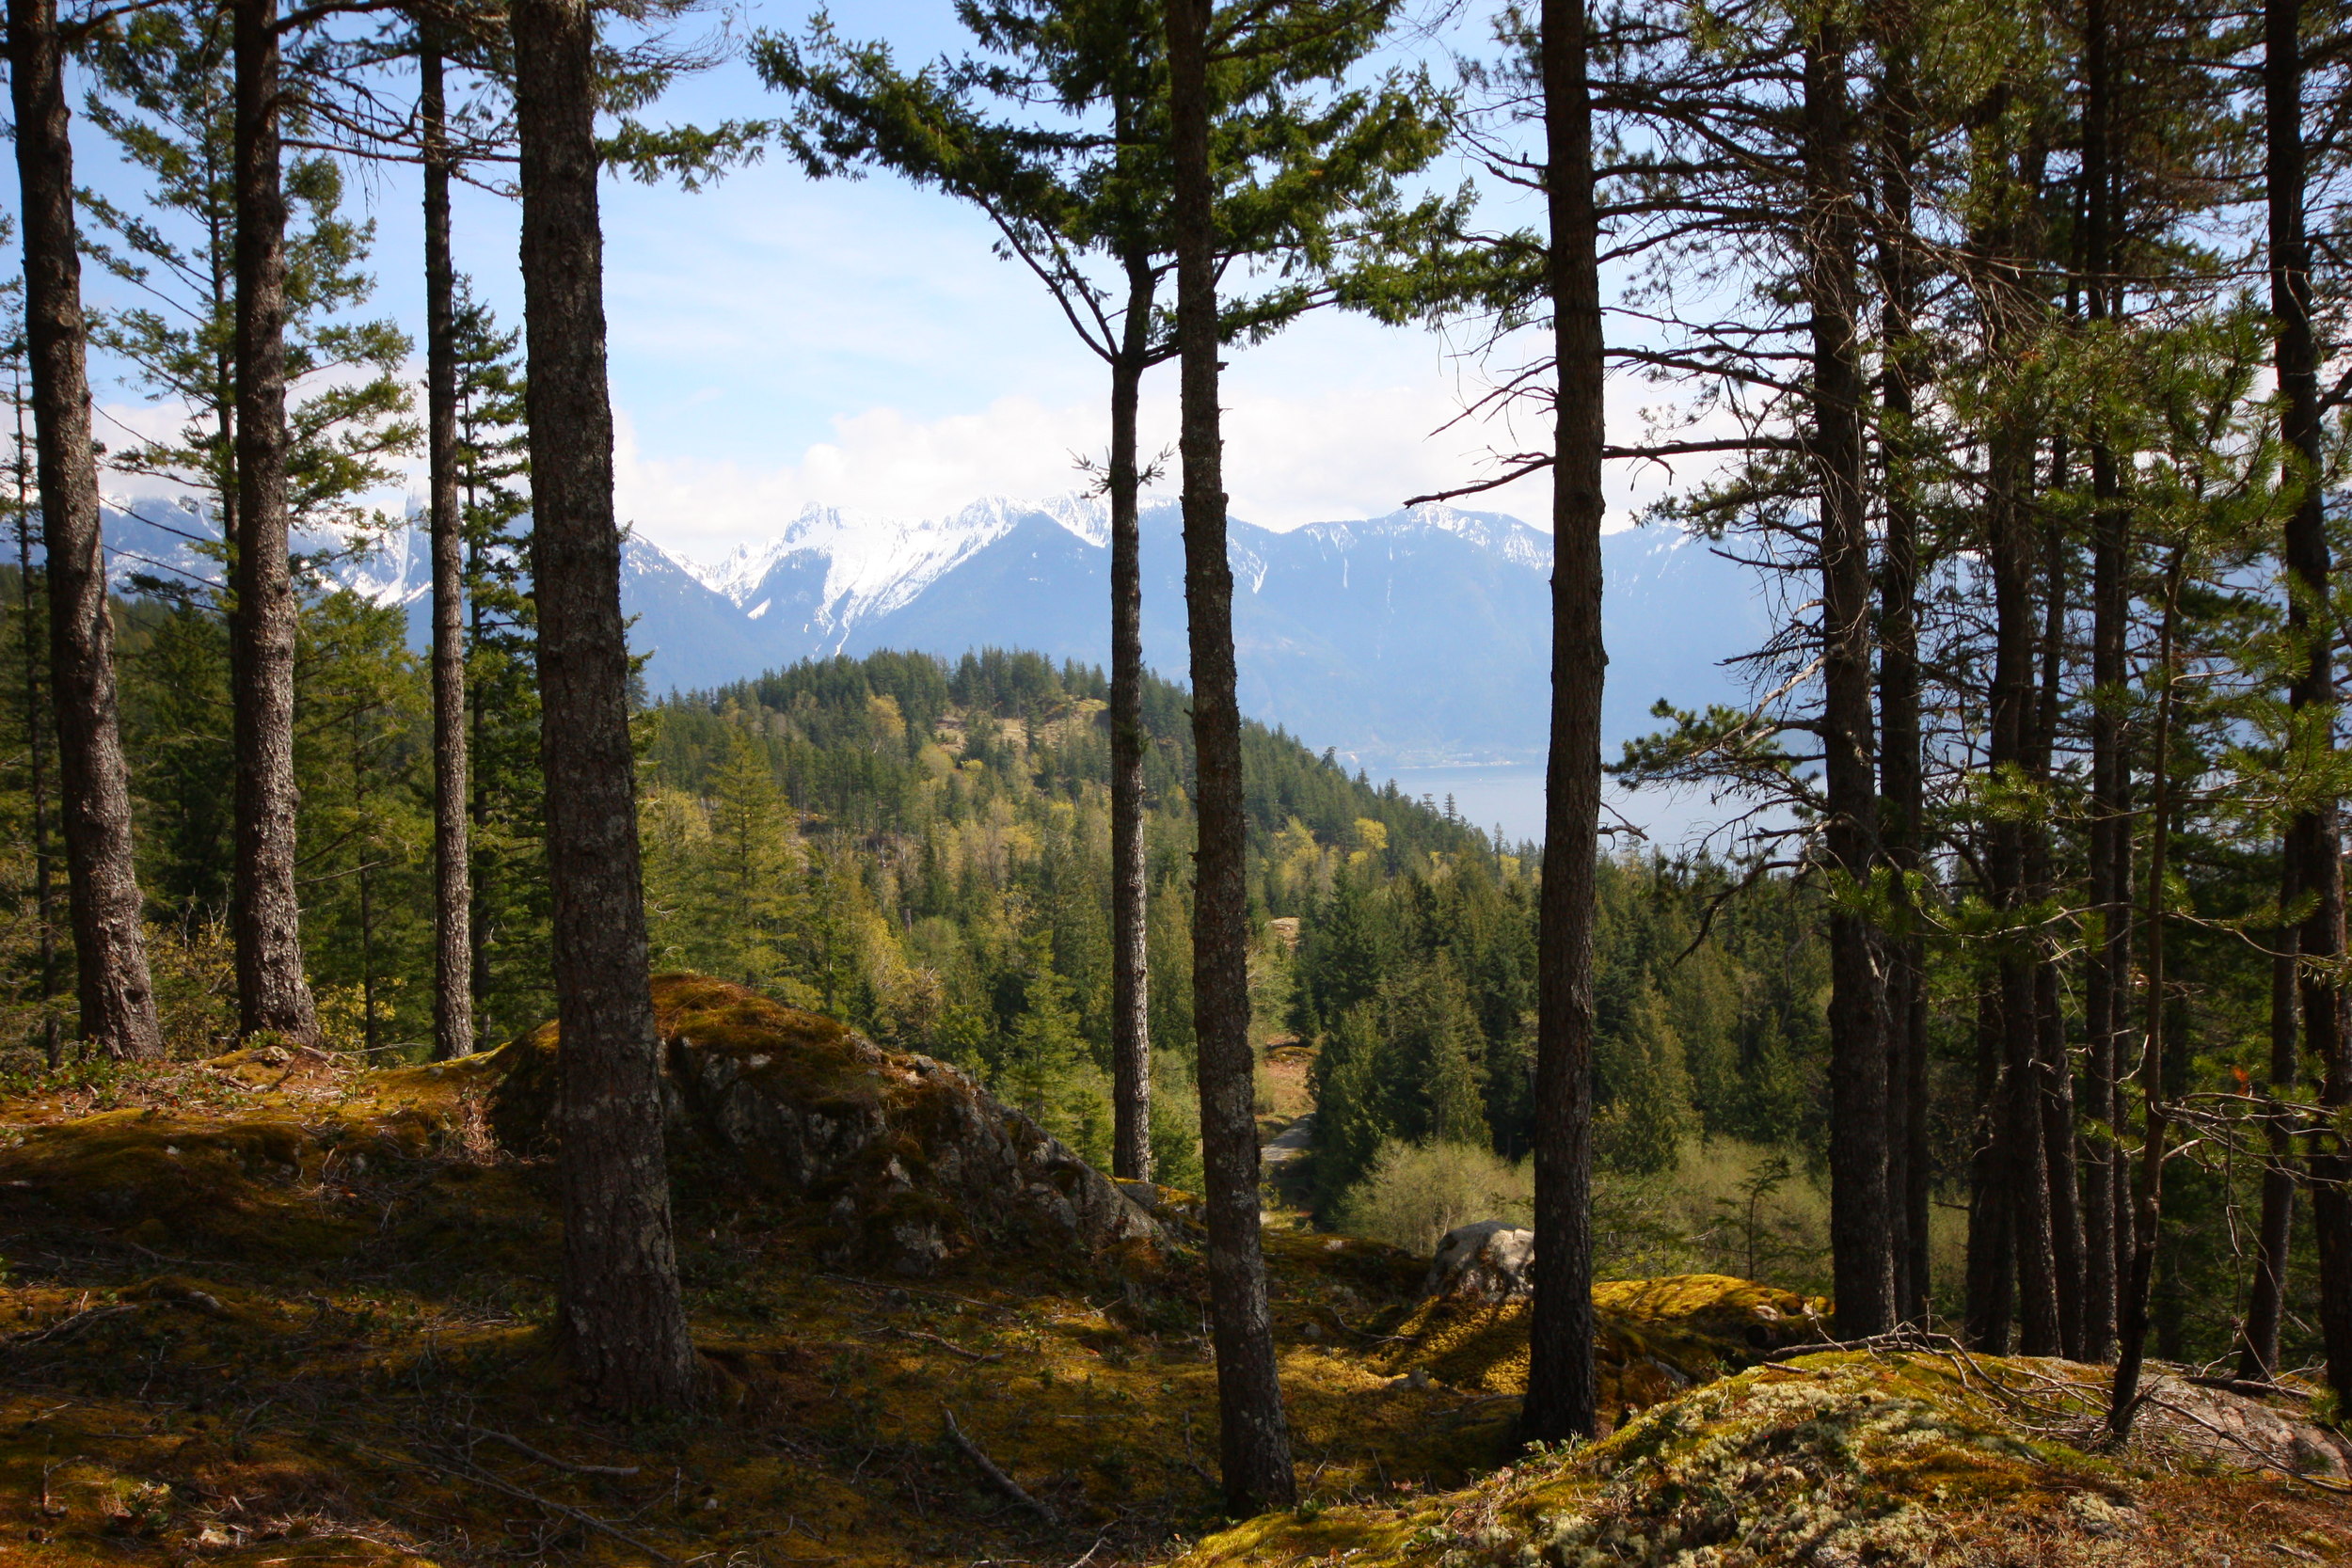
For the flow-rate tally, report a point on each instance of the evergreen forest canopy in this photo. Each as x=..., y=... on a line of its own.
x=2012, y=339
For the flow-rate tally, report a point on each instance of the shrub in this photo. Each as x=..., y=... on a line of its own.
x=1415, y=1193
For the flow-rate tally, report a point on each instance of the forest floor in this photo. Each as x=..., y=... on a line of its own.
x=278, y=1309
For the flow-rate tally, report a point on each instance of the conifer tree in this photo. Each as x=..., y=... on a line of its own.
x=453, y=891
x=622, y=1321
x=273, y=996
x=1254, y=1431
x=1562, y=1394
x=115, y=989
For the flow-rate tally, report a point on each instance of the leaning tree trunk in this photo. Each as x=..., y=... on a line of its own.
x=622, y=1321
x=453, y=894
x=1562, y=1395
x=1862, y=1265
x=1131, y=893
x=116, y=997
x=2313, y=840
x=1254, y=1435
x=272, y=994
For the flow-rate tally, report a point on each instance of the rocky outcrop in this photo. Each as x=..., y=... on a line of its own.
x=912, y=1161
x=1490, y=1261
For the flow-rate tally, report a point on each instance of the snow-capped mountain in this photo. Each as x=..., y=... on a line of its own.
x=1421, y=637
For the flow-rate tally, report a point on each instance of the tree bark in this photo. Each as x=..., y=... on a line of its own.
x=2106, y=978
x=116, y=994
x=1991, y=1283
x=2021, y=1149
x=2054, y=1081
x=1862, y=1264
x=2312, y=846
x=36, y=743
x=2148, y=1205
x=1131, y=893
x=1903, y=796
x=453, y=895
x=1254, y=1435
x=2274, y=1235
x=622, y=1321
x=272, y=994
x=1561, y=1391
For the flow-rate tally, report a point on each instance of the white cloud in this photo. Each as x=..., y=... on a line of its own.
x=1293, y=455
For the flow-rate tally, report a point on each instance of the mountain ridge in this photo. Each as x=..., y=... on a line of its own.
x=1416, y=639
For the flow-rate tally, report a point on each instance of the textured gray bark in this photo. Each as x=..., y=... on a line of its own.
x=114, y=989
x=1254, y=1435
x=622, y=1321
x=1131, y=894
x=1561, y=1391
x=1862, y=1264
x=272, y=994
x=453, y=893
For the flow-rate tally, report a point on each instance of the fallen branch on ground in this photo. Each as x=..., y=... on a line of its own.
x=483, y=1478
x=1002, y=1481
x=946, y=1344
x=529, y=1452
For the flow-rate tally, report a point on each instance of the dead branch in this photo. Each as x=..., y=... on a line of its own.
x=997, y=1478
x=529, y=1452
x=946, y=1344
x=483, y=1478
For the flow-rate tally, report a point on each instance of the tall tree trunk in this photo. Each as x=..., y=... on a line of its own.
x=1902, y=797
x=2021, y=1149
x=2148, y=1200
x=1991, y=1284
x=35, y=742
x=272, y=993
x=2274, y=1235
x=1562, y=1392
x=116, y=995
x=2312, y=839
x=1861, y=1264
x=453, y=894
x=2054, y=1080
x=2106, y=976
x=1254, y=1435
x=1131, y=891
x=623, y=1322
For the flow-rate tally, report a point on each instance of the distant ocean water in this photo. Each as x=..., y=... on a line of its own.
x=1505, y=795
x=1510, y=795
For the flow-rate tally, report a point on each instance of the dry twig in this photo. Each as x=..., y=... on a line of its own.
x=529, y=1452
x=997, y=1478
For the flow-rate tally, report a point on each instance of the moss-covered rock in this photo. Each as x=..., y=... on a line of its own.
x=914, y=1164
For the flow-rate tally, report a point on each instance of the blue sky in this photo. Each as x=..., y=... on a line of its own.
x=778, y=341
